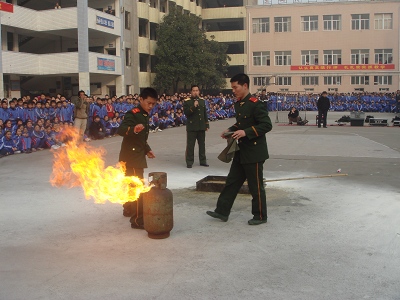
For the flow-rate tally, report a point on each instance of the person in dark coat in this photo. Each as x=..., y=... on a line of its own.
x=96, y=129
x=293, y=115
x=252, y=123
x=197, y=124
x=323, y=106
x=134, y=148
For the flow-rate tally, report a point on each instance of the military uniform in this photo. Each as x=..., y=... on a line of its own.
x=133, y=152
x=252, y=117
x=196, y=126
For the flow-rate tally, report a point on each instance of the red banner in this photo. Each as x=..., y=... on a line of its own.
x=343, y=67
x=6, y=7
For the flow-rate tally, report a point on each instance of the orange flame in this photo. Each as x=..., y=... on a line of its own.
x=80, y=164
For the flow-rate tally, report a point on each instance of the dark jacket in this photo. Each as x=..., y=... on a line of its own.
x=134, y=147
x=252, y=117
x=95, y=127
x=323, y=103
x=197, y=118
x=294, y=114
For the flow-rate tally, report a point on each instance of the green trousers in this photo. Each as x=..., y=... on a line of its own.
x=236, y=177
x=192, y=136
x=136, y=207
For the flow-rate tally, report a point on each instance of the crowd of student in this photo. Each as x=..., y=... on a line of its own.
x=366, y=102
x=28, y=125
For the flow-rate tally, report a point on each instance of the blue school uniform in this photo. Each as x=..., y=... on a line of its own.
x=38, y=139
x=6, y=146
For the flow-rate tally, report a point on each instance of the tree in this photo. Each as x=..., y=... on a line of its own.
x=185, y=56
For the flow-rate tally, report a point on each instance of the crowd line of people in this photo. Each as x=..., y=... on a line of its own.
x=28, y=125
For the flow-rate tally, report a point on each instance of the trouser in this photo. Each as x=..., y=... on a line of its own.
x=322, y=114
x=80, y=124
x=237, y=175
x=192, y=136
x=134, y=208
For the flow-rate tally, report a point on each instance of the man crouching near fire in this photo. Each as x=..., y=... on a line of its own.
x=134, y=149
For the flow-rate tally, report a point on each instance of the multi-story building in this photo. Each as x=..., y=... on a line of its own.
x=101, y=46
x=50, y=50
x=308, y=46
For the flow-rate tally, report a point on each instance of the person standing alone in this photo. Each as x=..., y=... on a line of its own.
x=197, y=124
x=252, y=123
x=323, y=106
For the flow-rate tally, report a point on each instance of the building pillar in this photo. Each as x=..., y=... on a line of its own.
x=120, y=86
x=83, y=46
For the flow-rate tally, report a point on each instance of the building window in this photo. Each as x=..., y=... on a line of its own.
x=283, y=80
x=332, y=22
x=260, y=25
x=309, y=23
x=282, y=24
x=360, y=80
x=332, y=57
x=127, y=20
x=359, y=56
x=383, y=21
x=332, y=80
x=309, y=80
x=153, y=31
x=153, y=3
x=260, y=81
x=359, y=21
x=309, y=57
x=383, y=56
x=261, y=58
x=128, y=58
x=143, y=62
x=383, y=80
x=143, y=24
x=283, y=58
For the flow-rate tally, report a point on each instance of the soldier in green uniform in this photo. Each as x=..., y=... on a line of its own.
x=252, y=123
x=134, y=149
x=197, y=124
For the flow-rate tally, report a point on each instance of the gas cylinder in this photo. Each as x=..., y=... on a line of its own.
x=158, y=207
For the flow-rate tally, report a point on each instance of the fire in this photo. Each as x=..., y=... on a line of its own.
x=80, y=164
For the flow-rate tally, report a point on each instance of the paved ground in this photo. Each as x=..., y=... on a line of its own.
x=332, y=238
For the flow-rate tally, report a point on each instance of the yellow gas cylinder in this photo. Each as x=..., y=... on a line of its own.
x=158, y=207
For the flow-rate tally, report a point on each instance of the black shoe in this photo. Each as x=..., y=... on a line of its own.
x=256, y=222
x=217, y=216
x=134, y=226
x=189, y=167
x=204, y=165
x=319, y=126
x=325, y=127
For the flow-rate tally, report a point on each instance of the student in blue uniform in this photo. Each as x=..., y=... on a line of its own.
x=38, y=138
x=7, y=145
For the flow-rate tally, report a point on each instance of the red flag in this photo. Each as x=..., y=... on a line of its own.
x=6, y=7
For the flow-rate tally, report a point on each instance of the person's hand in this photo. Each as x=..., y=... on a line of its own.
x=238, y=134
x=150, y=154
x=196, y=103
x=138, y=128
x=223, y=135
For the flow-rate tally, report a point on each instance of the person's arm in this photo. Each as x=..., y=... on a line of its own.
x=187, y=109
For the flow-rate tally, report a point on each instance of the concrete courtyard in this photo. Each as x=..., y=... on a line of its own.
x=326, y=238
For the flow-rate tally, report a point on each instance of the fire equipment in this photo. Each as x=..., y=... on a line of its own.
x=158, y=207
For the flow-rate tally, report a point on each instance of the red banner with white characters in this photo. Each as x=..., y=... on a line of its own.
x=6, y=7
x=343, y=67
